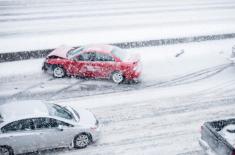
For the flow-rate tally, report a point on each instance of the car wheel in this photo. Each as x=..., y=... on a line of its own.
x=81, y=141
x=6, y=151
x=117, y=77
x=58, y=71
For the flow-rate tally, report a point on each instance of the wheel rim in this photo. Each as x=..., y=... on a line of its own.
x=117, y=77
x=82, y=140
x=58, y=72
x=4, y=151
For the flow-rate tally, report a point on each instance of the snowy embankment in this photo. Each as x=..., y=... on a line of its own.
x=30, y=25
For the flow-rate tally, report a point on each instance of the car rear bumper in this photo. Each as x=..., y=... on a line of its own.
x=133, y=76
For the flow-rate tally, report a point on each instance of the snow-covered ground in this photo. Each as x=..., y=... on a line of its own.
x=182, y=85
x=161, y=115
x=48, y=24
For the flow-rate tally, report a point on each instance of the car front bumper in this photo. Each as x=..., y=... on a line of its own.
x=47, y=67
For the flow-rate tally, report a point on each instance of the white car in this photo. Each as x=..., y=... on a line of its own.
x=33, y=126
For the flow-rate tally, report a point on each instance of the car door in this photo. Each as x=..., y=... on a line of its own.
x=21, y=136
x=81, y=64
x=104, y=63
x=51, y=135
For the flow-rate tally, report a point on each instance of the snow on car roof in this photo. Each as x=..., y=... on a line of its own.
x=23, y=109
x=103, y=48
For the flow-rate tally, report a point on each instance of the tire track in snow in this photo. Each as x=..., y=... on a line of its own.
x=170, y=124
x=64, y=89
x=134, y=126
x=112, y=88
x=27, y=91
x=152, y=110
x=222, y=88
x=192, y=77
x=112, y=8
x=199, y=75
x=105, y=6
x=110, y=14
x=185, y=79
x=41, y=28
x=20, y=93
x=152, y=140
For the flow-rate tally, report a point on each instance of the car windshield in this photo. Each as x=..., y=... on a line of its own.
x=59, y=111
x=120, y=53
x=74, y=52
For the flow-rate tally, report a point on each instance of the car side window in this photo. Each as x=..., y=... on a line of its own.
x=64, y=124
x=47, y=123
x=21, y=125
x=103, y=57
x=88, y=56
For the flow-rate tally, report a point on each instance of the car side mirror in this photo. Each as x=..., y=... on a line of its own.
x=60, y=128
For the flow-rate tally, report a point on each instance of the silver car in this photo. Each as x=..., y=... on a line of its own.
x=33, y=126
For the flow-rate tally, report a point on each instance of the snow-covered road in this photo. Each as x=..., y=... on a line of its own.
x=161, y=115
x=182, y=85
x=48, y=24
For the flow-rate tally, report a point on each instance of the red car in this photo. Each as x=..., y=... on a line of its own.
x=95, y=61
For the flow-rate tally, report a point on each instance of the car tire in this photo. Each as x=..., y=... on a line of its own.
x=58, y=71
x=117, y=77
x=4, y=150
x=81, y=141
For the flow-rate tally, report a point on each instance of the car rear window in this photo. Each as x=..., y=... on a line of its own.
x=120, y=53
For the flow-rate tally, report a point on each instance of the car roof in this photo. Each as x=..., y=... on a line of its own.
x=99, y=48
x=23, y=109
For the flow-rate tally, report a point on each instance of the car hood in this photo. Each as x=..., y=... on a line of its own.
x=60, y=52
